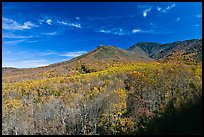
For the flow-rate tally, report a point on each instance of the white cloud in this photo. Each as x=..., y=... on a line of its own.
x=120, y=31
x=76, y=25
x=150, y=31
x=171, y=6
x=65, y=23
x=199, y=15
x=136, y=30
x=178, y=19
x=146, y=11
x=73, y=54
x=165, y=9
x=104, y=31
x=9, y=24
x=116, y=31
x=49, y=21
x=46, y=21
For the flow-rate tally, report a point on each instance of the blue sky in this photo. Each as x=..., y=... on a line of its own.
x=39, y=33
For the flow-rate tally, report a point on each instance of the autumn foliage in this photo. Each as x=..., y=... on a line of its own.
x=119, y=98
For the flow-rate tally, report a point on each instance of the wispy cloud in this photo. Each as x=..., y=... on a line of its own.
x=121, y=32
x=199, y=15
x=65, y=54
x=106, y=18
x=77, y=18
x=62, y=22
x=104, y=31
x=9, y=24
x=77, y=25
x=150, y=31
x=136, y=30
x=46, y=20
x=35, y=58
x=142, y=31
x=72, y=24
x=26, y=63
x=115, y=31
x=20, y=39
x=50, y=33
x=34, y=61
x=32, y=41
x=159, y=8
x=197, y=25
x=13, y=42
x=41, y=21
x=73, y=54
x=14, y=39
x=49, y=52
x=12, y=35
x=165, y=9
x=145, y=9
x=178, y=19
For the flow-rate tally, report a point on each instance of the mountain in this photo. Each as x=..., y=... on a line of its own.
x=146, y=48
x=96, y=60
x=101, y=58
x=188, y=51
x=111, y=52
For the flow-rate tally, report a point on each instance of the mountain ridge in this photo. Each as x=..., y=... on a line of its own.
x=141, y=51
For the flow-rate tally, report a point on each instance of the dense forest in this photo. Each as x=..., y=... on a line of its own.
x=149, y=88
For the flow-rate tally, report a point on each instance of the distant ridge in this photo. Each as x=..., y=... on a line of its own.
x=179, y=50
x=188, y=51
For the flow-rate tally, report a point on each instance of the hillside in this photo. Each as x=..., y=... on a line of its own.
x=106, y=55
x=146, y=47
x=188, y=51
x=108, y=91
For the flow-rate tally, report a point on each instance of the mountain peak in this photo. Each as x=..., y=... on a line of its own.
x=148, y=47
x=105, y=47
